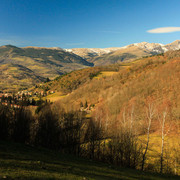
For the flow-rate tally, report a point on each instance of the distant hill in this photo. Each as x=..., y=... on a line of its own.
x=23, y=67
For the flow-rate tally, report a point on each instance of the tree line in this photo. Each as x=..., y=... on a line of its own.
x=72, y=132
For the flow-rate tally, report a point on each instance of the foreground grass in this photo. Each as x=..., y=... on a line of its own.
x=23, y=162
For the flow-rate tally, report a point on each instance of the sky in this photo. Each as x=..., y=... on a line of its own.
x=88, y=23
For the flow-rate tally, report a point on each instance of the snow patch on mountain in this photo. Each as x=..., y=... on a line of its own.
x=150, y=47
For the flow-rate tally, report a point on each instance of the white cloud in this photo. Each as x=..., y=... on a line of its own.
x=164, y=30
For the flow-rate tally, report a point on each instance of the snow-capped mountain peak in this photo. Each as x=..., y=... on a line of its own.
x=150, y=47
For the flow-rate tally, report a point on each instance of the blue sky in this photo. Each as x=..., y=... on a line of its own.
x=87, y=23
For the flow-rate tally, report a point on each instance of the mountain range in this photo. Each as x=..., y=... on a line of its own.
x=104, y=56
x=23, y=67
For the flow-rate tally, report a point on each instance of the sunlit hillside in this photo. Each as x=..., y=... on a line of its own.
x=128, y=93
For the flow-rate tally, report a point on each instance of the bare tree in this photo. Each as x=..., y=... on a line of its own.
x=150, y=110
x=126, y=142
x=162, y=122
x=162, y=117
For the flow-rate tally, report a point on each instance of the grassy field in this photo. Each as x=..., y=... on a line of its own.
x=55, y=97
x=23, y=162
x=106, y=74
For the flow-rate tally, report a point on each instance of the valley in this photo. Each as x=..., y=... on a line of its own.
x=100, y=112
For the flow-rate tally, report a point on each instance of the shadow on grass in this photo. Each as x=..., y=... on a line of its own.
x=23, y=162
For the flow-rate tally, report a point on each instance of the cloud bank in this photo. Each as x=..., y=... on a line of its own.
x=164, y=30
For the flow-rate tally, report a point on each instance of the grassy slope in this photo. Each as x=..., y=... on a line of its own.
x=23, y=162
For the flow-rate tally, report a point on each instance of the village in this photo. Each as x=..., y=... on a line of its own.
x=23, y=98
